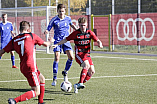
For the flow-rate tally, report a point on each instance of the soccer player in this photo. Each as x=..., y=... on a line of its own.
x=6, y=32
x=82, y=39
x=24, y=45
x=60, y=24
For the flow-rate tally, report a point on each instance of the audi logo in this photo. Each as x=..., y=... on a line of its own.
x=134, y=29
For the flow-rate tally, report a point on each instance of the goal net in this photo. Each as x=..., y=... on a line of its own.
x=38, y=17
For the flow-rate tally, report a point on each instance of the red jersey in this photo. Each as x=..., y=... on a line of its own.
x=82, y=40
x=24, y=45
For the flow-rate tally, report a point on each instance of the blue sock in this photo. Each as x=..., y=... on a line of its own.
x=0, y=57
x=13, y=60
x=68, y=65
x=55, y=69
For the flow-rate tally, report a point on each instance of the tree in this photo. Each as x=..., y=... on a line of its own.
x=39, y=2
x=77, y=7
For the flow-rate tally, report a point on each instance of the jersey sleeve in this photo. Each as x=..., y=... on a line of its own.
x=51, y=23
x=9, y=47
x=70, y=22
x=11, y=26
x=37, y=39
x=93, y=36
x=72, y=36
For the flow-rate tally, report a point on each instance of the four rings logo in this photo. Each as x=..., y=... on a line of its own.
x=134, y=29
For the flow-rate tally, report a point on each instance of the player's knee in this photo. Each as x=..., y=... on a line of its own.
x=71, y=58
x=37, y=90
x=42, y=79
x=37, y=93
x=56, y=59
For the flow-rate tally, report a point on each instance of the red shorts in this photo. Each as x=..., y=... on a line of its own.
x=33, y=78
x=80, y=58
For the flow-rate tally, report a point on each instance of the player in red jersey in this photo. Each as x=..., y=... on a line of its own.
x=82, y=39
x=24, y=45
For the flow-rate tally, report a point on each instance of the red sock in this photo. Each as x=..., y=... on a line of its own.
x=83, y=75
x=26, y=96
x=42, y=91
x=87, y=78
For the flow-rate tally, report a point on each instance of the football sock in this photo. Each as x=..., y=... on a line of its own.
x=87, y=78
x=13, y=60
x=42, y=91
x=83, y=75
x=26, y=96
x=0, y=57
x=55, y=69
x=68, y=65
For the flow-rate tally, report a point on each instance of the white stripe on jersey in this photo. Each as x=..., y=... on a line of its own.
x=50, y=23
x=34, y=58
x=35, y=78
x=79, y=58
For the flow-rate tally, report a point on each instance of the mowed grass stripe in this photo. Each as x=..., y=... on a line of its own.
x=92, y=77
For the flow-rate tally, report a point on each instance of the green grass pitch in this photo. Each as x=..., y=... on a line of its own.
x=119, y=79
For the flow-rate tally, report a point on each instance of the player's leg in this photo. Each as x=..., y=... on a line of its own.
x=84, y=63
x=67, y=48
x=42, y=88
x=13, y=59
x=34, y=82
x=1, y=48
x=68, y=64
x=85, y=66
x=90, y=72
x=55, y=67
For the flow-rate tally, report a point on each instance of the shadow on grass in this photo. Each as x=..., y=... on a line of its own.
x=45, y=99
x=46, y=91
x=58, y=92
x=17, y=90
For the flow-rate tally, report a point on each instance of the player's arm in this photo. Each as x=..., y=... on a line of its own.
x=49, y=26
x=61, y=42
x=13, y=34
x=99, y=44
x=48, y=43
x=73, y=26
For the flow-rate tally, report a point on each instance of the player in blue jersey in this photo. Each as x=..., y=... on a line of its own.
x=61, y=24
x=6, y=32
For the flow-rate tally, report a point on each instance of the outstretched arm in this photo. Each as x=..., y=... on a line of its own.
x=13, y=34
x=99, y=44
x=61, y=42
x=48, y=43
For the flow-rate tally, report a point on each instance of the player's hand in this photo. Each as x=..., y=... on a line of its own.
x=46, y=32
x=54, y=46
x=51, y=39
x=100, y=44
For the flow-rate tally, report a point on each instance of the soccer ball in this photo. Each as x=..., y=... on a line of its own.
x=66, y=86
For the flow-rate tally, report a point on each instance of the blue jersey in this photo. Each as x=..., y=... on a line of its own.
x=60, y=26
x=5, y=30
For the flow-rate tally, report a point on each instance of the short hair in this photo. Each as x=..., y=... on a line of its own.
x=82, y=20
x=4, y=14
x=24, y=25
x=60, y=6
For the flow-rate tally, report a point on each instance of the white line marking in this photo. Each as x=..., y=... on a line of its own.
x=124, y=58
x=121, y=76
x=97, y=57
